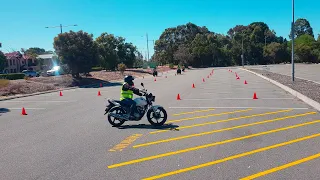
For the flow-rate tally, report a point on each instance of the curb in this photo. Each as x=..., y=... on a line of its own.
x=302, y=97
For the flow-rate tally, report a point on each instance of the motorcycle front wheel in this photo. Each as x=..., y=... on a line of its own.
x=157, y=118
x=116, y=122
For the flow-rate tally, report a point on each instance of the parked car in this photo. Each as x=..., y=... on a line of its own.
x=56, y=70
x=30, y=73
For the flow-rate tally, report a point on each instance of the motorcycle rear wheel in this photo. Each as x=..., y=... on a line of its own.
x=157, y=116
x=116, y=110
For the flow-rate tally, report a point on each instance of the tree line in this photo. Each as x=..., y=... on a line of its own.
x=193, y=45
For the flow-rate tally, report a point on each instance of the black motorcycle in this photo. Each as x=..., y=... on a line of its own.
x=120, y=112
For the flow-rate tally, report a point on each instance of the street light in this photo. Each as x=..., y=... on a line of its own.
x=148, y=44
x=292, y=35
x=61, y=27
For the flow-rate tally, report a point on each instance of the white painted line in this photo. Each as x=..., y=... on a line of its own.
x=208, y=99
x=37, y=101
x=235, y=107
x=26, y=108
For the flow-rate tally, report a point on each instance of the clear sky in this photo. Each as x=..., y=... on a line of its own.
x=23, y=22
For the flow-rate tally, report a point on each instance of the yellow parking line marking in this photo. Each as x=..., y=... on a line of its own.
x=210, y=115
x=231, y=157
x=282, y=167
x=221, y=130
x=125, y=143
x=225, y=120
x=210, y=145
x=192, y=112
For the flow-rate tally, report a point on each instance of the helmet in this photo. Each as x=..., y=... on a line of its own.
x=129, y=79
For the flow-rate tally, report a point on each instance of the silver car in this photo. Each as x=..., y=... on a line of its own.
x=30, y=73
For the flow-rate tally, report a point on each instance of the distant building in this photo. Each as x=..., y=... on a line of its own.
x=17, y=62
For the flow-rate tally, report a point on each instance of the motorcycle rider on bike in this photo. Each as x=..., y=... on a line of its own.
x=127, y=92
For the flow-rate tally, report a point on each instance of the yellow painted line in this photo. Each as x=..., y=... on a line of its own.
x=192, y=112
x=231, y=157
x=220, y=121
x=210, y=145
x=125, y=143
x=206, y=116
x=220, y=130
x=282, y=167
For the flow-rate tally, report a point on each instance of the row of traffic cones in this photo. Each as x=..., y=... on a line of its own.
x=245, y=82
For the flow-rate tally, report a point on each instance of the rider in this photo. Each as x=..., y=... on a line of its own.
x=127, y=92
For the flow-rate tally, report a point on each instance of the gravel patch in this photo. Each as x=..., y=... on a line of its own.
x=307, y=88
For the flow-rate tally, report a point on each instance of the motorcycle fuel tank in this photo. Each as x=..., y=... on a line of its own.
x=140, y=101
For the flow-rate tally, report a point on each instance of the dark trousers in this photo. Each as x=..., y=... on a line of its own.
x=129, y=103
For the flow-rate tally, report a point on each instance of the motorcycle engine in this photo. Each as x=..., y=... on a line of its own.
x=140, y=110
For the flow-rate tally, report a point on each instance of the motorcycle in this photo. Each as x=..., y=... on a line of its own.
x=120, y=112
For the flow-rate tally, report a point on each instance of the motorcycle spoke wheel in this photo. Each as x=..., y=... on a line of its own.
x=157, y=118
x=113, y=120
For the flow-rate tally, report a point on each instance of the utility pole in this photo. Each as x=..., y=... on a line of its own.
x=242, y=58
x=60, y=26
x=292, y=35
x=148, y=46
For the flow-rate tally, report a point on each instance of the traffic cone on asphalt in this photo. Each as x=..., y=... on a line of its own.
x=193, y=86
x=155, y=79
x=99, y=93
x=178, y=97
x=255, y=95
x=208, y=76
x=245, y=82
x=23, y=112
x=166, y=76
x=203, y=80
x=60, y=94
x=238, y=77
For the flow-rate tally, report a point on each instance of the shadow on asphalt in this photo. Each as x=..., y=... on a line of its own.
x=4, y=110
x=149, y=126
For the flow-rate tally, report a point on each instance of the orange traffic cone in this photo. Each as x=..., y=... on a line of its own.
x=193, y=86
x=99, y=93
x=23, y=112
x=208, y=76
x=203, y=80
x=178, y=97
x=166, y=76
x=238, y=77
x=155, y=79
x=245, y=82
x=255, y=95
x=60, y=94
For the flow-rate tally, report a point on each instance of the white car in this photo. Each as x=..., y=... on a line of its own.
x=56, y=70
x=30, y=73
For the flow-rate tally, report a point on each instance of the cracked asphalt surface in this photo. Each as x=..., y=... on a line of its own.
x=217, y=131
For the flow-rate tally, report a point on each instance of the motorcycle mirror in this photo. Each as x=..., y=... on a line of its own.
x=142, y=84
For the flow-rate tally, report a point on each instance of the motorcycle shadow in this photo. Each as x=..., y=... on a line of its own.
x=148, y=126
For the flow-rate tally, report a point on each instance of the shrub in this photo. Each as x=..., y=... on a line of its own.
x=12, y=76
x=96, y=68
x=122, y=67
x=171, y=66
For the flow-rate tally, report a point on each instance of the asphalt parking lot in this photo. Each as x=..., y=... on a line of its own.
x=216, y=131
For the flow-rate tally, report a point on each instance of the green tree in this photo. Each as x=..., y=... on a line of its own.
x=304, y=48
x=107, y=47
x=301, y=27
x=3, y=61
x=35, y=50
x=78, y=50
x=276, y=53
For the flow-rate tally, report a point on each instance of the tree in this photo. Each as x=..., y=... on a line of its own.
x=77, y=49
x=304, y=46
x=107, y=47
x=276, y=53
x=35, y=50
x=3, y=61
x=301, y=27
x=183, y=55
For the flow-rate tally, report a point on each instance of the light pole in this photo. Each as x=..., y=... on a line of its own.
x=61, y=27
x=148, y=44
x=292, y=35
x=242, y=57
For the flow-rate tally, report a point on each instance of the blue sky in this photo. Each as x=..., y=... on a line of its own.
x=23, y=22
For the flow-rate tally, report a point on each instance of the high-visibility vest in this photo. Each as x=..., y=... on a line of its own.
x=126, y=94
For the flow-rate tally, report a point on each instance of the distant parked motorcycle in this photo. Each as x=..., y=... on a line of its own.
x=118, y=113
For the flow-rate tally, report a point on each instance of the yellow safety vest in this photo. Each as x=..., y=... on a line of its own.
x=126, y=94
